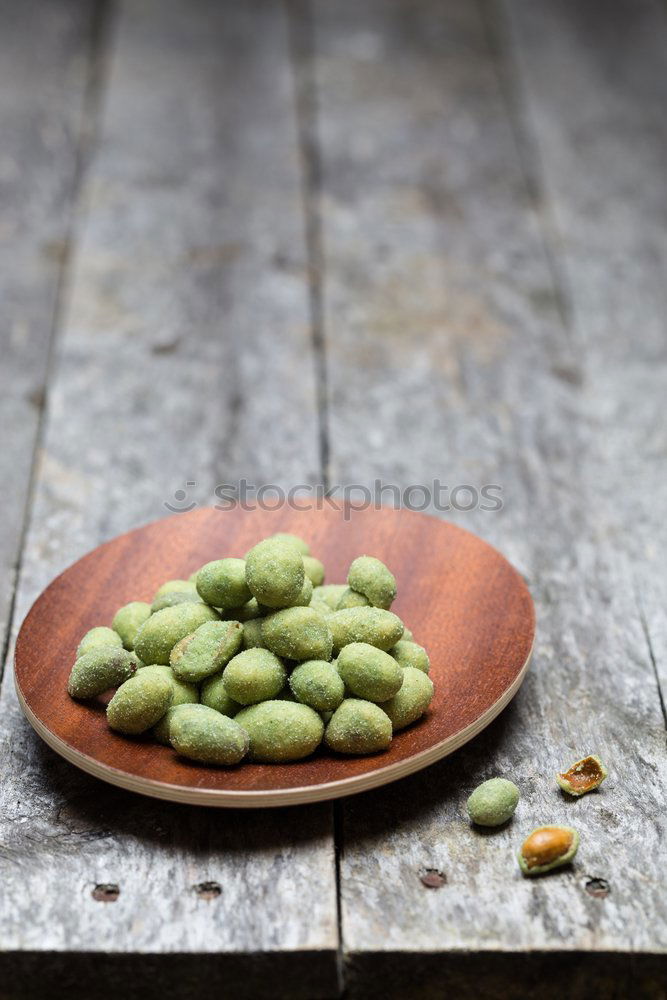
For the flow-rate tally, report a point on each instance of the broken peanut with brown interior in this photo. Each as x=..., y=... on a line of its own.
x=548, y=847
x=587, y=774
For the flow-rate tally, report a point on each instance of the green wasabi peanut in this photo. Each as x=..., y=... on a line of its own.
x=254, y=675
x=358, y=727
x=302, y=547
x=157, y=637
x=304, y=598
x=493, y=802
x=330, y=593
x=548, y=847
x=101, y=668
x=370, y=577
x=318, y=684
x=314, y=570
x=139, y=703
x=320, y=607
x=206, y=651
x=275, y=573
x=171, y=586
x=372, y=625
x=202, y=734
x=173, y=597
x=252, y=635
x=222, y=583
x=368, y=672
x=281, y=731
x=411, y=700
x=407, y=635
x=351, y=599
x=410, y=654
x=246, y=613
x=182, y=694
x=297, y=634
x=214, y=694
x=129, y=619
x=98, y=638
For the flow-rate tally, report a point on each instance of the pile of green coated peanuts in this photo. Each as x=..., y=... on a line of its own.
x=258, y=658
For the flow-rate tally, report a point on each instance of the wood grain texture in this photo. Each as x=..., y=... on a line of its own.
x=479, y=643
x=186, y=330
x=41, y=120
x=449, y=340
x=603, y=143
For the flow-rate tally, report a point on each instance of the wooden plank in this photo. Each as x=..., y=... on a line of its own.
x=41, y=119
x=451, y=356
x=185, y=355
x=595, y=93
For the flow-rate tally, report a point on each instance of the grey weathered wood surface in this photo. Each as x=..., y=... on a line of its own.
x=471, y=327
x=42, y=102
x=185, y=332
x=420, y=241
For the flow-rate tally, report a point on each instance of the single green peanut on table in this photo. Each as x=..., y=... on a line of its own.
x=206, y=650
x=281, y=731
x=129, y=619
x=493, y=802
x=202, y=734
x=358, y=727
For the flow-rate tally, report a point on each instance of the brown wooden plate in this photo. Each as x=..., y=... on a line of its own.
x=464, y=602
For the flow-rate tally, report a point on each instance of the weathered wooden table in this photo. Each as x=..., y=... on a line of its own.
x=333, y=242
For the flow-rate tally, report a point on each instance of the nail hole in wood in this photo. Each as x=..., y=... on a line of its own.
x=208, y=890
x=106, y=892
x=432, y=878
x=597, y=887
